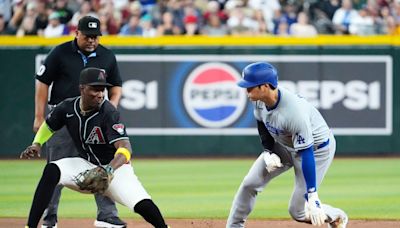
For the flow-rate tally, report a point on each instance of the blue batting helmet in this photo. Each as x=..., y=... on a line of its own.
x=257, y=74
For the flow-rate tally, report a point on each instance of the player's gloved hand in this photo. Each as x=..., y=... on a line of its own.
x=272, y=161
x=317, y=214
x=31, y=151
x=95, y=180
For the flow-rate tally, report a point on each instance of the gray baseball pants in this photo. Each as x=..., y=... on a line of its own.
x=258, y=177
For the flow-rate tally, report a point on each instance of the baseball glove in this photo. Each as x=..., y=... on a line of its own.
x=95, y=180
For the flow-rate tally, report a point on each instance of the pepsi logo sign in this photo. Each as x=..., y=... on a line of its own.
x=211, y=97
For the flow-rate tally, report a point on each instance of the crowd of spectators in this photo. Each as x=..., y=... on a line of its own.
x=150, y=18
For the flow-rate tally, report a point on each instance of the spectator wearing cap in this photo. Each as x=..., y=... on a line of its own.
x=190, y=9
x=214, y=26
x=147, y=26
x=191, y=27
x=55, y=28
x=213, y=8
x=61, y=69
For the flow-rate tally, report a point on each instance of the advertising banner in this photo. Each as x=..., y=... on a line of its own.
x=198, y=95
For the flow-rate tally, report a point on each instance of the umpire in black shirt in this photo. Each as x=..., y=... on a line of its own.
x=61, y=69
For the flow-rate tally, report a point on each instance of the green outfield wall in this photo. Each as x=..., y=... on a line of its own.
x=179, y=96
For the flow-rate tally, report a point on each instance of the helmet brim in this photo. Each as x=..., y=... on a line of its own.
x=247, y=84
x=99, y=84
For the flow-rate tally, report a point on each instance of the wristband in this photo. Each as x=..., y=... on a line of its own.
x=43, y=134
x=124, y=152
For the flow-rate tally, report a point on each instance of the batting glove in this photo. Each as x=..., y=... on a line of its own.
x=272, y=161
x=315, y=211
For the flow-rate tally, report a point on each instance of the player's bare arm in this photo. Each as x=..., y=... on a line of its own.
x=41, y=93
x=114, y=95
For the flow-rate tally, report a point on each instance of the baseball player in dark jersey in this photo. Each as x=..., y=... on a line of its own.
x=101, y=139
x=61, y=70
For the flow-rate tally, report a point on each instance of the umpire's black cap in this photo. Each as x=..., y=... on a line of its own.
x=89, y=25
x=94, y=77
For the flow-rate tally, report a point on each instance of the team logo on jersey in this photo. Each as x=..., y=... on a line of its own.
x=102, y=76
x=41, y=70
x=120, y=128
x=95, y=136
x=211, y=97
x=300, y=139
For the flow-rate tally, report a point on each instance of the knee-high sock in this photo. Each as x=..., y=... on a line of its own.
x=150, y=212
x=44, y=191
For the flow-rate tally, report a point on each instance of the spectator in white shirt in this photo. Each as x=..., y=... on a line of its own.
x=147, y=26
x=362, y=24
x=55, y=28
x=302, y=28
x=268, y=7
x=343, y=17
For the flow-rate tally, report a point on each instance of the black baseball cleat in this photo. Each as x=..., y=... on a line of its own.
x=50, y=222
x=111, y=222
x=49, y=225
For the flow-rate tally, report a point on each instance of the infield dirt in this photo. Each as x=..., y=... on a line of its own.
x=202, y=223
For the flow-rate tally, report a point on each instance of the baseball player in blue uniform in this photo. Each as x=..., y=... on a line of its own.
x=293, y=134
x=101, y=140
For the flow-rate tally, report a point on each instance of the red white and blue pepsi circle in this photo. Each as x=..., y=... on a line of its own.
x=211, y=97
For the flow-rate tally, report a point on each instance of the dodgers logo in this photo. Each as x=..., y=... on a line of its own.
x=211, y=97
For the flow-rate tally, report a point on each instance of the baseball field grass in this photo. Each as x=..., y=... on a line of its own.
x=204, y=188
